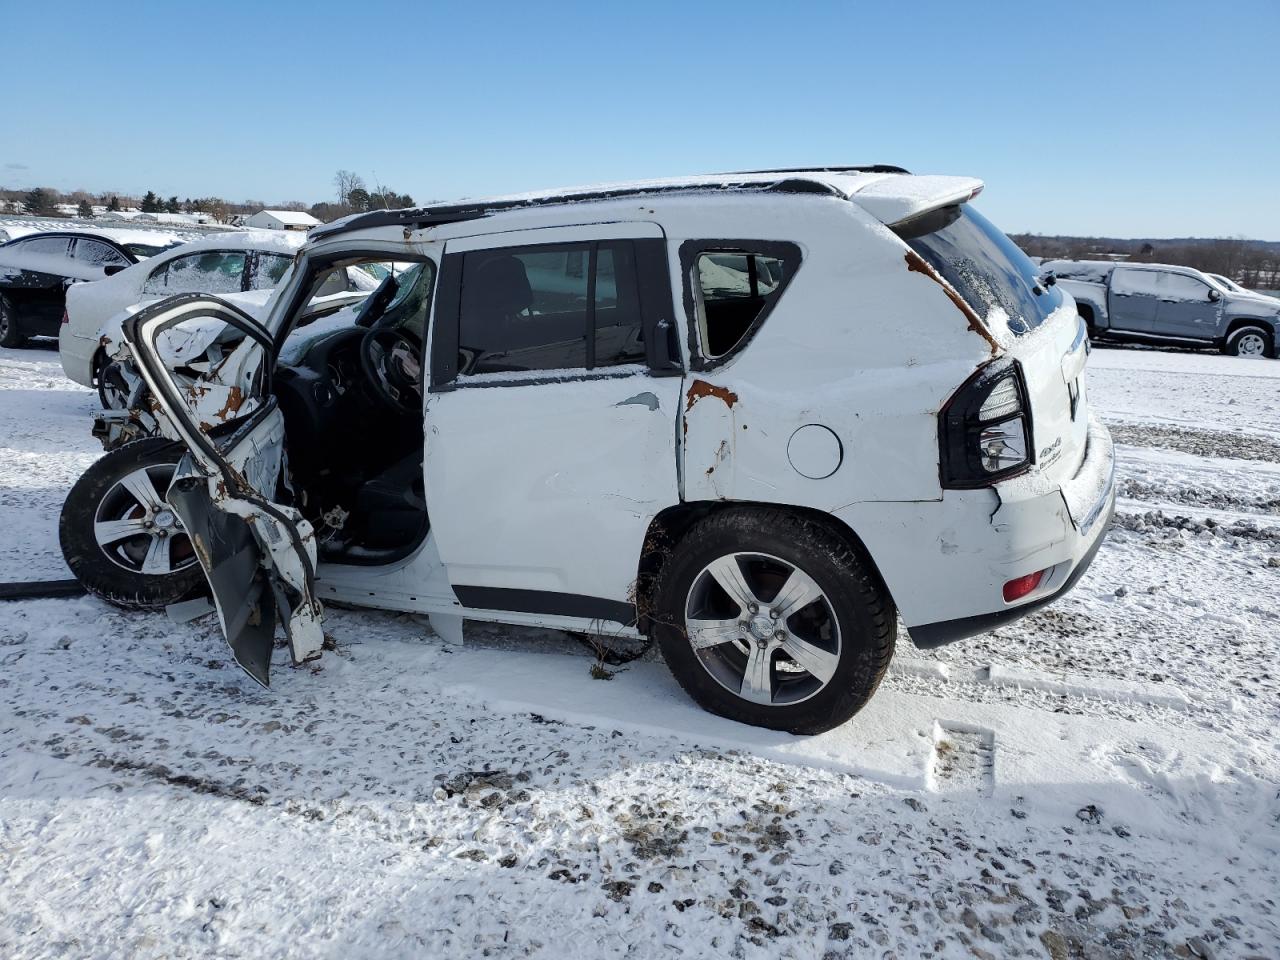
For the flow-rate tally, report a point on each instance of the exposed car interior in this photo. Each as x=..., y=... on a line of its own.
x=352, y=406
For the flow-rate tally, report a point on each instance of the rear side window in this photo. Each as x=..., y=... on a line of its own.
x=732, y=287
x=211, y=272
x=986, y=268
x=271, y=269
x=99, y=254
x=566, y=306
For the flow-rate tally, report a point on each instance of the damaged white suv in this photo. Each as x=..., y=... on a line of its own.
x=756, y=416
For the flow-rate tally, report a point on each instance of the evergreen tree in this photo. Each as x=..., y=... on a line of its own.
x=114, y=204
x=151, y=203
x=39, y=202
x=358, y=198
x=172, y=206
x=85, y=210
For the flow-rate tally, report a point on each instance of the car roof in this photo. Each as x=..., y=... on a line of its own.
x=889, y=192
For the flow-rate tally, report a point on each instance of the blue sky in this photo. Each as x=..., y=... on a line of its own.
x=1124, y=119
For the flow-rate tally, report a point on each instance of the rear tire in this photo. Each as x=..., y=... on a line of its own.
x=11, y=334
x=116, y=570
x=847, y=632
x=1250, y=341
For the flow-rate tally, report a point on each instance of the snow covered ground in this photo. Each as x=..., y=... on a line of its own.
x=1101, y=779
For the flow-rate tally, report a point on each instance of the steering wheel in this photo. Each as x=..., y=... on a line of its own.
x=389, y=358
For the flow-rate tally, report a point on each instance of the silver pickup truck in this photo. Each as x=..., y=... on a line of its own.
x=1159, y=303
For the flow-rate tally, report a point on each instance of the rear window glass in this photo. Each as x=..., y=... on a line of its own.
x=995, y=278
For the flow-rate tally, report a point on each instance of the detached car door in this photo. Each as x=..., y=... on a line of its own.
x=258, y=555
x=551, y=421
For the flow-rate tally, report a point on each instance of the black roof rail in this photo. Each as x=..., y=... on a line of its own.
x=853, y=168
x=418, y=218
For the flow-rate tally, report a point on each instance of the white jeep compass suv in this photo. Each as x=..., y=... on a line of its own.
x=755, y=416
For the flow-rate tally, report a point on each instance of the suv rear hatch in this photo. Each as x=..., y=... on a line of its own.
x=1031, y=321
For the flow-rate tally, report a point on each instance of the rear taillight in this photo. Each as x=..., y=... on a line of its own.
x=985, y=428
x=66, y=317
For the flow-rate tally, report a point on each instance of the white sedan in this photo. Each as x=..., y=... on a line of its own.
x=228, y=263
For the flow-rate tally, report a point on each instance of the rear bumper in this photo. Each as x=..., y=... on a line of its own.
x=76, y=354
x=946, y=562
x=930, y=635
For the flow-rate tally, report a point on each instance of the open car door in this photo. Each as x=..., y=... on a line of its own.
x=258, y=555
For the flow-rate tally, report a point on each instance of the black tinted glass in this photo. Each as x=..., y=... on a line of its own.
x=531, y=308
x=989, y=271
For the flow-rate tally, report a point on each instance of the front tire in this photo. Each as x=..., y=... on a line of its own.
x=119, y=536
x=11, y=334
x=1251, y=341
x=768, y=618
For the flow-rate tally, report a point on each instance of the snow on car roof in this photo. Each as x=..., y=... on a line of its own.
x=269, y=240
x=897, y=194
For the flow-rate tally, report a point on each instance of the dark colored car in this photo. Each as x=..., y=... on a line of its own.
x=36, y=270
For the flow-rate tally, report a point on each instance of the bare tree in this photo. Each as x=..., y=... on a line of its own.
x=346, y=181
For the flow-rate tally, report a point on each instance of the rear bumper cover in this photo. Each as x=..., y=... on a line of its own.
x=931, y=635
x=1090, y=501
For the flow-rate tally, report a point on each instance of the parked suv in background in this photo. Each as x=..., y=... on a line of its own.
x=754, y=416
x=1164, y=304
x=37, y=271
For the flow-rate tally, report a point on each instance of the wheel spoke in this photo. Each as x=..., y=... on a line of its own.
x=728, y=574
x=797, y=593
x=157, y=559
x=107, y=532
x=143, y=490
x=815, y=660
x=711, y=633
x=757, y=680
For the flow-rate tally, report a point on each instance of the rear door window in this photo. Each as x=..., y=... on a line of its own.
x=985, y=267
x=559, y=307
x=99, y=254
x=1138, y=283
x=270, y=270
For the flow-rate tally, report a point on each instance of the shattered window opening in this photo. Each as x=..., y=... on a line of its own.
x=734, y=289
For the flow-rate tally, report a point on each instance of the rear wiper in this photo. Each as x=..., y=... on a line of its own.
x=1046, y=279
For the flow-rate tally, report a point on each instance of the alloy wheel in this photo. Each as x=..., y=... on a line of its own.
x=137, y=530
x=762, y=628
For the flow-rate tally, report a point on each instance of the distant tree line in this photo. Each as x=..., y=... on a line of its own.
x=354, y=195
x=1251, y=263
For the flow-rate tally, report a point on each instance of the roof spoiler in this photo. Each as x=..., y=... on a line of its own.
x=896, y=201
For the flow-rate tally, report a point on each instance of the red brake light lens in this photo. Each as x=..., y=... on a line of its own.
x=1018, y=588
x=66, y=317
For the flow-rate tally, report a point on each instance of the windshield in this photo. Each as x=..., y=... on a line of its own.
x=988, y=270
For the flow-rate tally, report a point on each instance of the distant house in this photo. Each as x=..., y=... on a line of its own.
x=282, y=220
